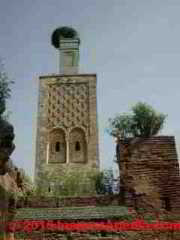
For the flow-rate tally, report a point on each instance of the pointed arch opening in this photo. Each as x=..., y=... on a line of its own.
x=57, y=151
x=77, y=146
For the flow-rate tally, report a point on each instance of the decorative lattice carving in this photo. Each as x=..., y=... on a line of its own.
x=68, y=105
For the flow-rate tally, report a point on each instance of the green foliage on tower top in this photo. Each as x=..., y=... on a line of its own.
x=144, y=121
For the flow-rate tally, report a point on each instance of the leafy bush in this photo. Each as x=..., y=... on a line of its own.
x=104, y=181
x=144, y=121
x=74, y=182
x=70, y=182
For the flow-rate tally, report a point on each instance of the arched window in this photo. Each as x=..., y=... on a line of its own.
x=57, y=147
x=77, y=146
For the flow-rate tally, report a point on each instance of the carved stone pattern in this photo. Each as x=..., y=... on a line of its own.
x=68, y=105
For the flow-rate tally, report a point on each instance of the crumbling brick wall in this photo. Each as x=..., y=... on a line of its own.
x=149, y=167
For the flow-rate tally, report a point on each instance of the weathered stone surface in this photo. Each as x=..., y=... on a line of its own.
x=149, y=172
x=67, y=106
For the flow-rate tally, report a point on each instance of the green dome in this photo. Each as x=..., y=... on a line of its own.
x=63, y=32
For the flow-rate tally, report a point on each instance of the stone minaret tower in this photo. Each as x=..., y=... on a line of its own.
x=67, y=132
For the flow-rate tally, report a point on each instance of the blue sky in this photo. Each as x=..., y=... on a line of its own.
x=133, y=46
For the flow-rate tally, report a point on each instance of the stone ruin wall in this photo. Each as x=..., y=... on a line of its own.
x=150, y=168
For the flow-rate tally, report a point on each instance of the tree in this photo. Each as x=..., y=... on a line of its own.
x=99, y=183
x=104, y=182
x=5, y=90
x=6, y=129
x=147, y=121
x=144, y=121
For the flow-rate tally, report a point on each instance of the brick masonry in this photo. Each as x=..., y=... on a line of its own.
x=150, y=167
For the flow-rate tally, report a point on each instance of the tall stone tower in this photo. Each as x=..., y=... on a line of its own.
x=67, y=131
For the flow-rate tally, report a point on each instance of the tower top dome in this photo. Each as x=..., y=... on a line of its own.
x=63, y=33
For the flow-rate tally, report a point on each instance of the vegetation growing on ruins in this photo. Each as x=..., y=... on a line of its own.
x=75, y=183
x=144, y=121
